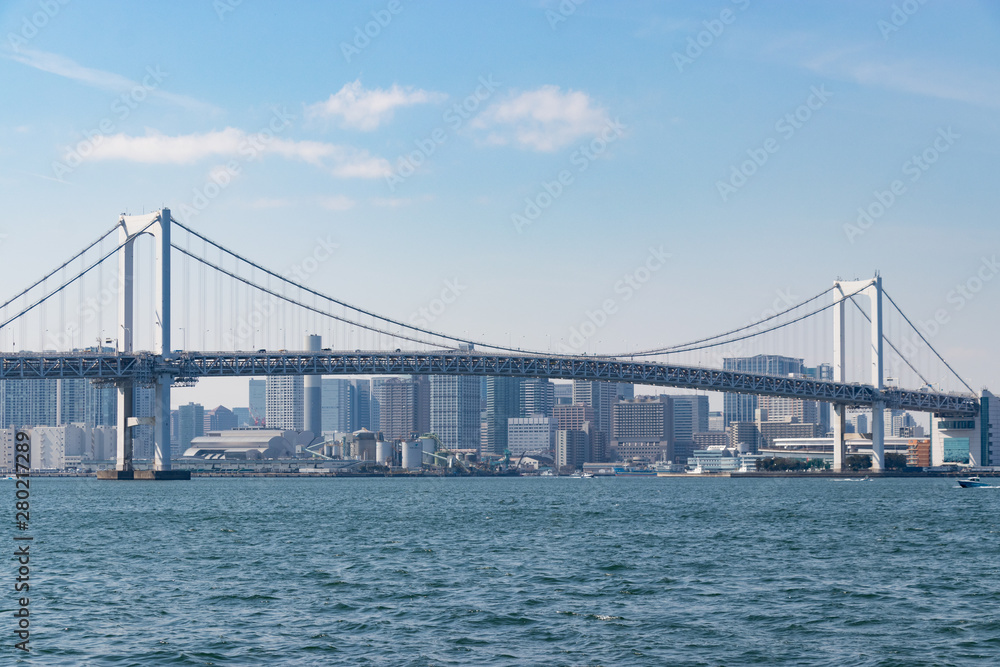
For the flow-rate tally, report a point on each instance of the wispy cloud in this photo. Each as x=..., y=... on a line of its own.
x=397, y=202
x=544, y=119
x=95, y=78
x=365, y=109
x=927, y=78
x=157, y=148
x=337, y=203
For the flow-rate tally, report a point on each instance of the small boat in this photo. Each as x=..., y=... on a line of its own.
x=588, y=475
x=972, y=483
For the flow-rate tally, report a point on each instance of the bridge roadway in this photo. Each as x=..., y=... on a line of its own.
x=143, y=367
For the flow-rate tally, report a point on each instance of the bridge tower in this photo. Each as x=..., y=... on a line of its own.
x=873, y=290
x=157, y=225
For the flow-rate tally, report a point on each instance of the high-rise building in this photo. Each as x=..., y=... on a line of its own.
x=625, y=391
x=503, y=401
x=742, y=407
x=563, y=393
x=258, y=402
x=190, y=425
x=573, y=417
x=396, y=399
x=336, y=405
x=599, y=395
x=531, y=434
x=643, y=427
x=28, y=403
x=422, y=383
x=361, y=406
x=285, y=402
x=455, y=409
x=219, y=419
x=537, y=397
x=242, y=416
x=573, y=446
x=690, y=417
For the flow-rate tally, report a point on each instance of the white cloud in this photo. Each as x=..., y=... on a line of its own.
x=544, y=119
x=157, y=148
x=95, y=78
x=397, y=202
x=362, y=109
x=337, y=203
x=928, y=78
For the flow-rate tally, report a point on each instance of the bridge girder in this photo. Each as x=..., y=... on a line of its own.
x=142, y=368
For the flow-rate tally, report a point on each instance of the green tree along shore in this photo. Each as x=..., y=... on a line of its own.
x=853, y=462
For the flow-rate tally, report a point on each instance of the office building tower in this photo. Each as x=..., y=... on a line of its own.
x=531, y=434
x=361, y=406
x=743, y=407
x=219, y=419
x=643, y=428
x=396, y=401
x=190, y=425
x=573, y=447
x=242, y=416
x=690, y=417
x=537, y=397
x=503, y=401
x=285, y=402
x=455, y=410
x=336, y=405
x=422, y=383
x=625, y=391
x=258, y=402
x=599, y=395
x=28, y=403
x=563, y=393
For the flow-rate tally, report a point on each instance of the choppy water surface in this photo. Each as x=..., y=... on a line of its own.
x=511, y=571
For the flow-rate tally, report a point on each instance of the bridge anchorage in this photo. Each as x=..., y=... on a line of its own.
x=954, y=416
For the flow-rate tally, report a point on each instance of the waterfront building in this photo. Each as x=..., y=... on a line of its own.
x=455, y=410
x=918, y=453
x=573, y=446
x=422, y=384
x=573, y=417
x=711, y=439
x=531, y=434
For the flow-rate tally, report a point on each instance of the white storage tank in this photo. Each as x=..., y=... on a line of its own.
x=383, y=452
x=413, y=453
x=428, y=446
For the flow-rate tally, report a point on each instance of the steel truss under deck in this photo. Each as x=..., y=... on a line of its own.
x=141, y=368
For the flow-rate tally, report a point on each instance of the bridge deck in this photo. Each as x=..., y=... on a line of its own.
x=143, y=367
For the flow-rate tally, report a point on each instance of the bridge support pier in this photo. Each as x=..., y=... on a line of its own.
x=126, y=411
x=839, y=448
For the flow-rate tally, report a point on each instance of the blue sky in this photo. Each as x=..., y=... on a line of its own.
x=645, y=124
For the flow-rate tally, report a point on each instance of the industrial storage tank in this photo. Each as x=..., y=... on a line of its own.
x=383, y=452
x=412, y=455
x=428, y=446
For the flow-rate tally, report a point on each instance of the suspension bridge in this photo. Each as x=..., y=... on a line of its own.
x=243, y=304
